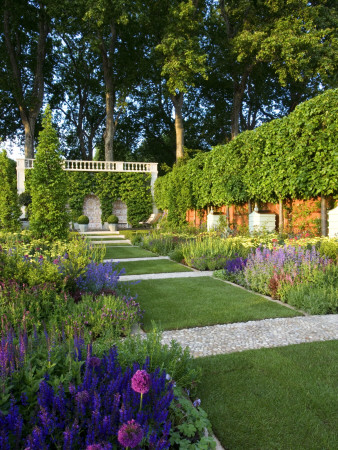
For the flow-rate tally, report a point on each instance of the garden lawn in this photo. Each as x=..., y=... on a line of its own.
x=153, y=266
x=280, y=398
x=126, y=252
x=197, y=302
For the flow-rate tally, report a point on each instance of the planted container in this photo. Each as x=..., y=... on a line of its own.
x=112, y=222
x=83, y=222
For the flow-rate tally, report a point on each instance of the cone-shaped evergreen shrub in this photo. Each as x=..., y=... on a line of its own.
x=9, y=205
x=48, y=185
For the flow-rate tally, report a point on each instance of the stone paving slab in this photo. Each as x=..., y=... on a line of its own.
x=117, y=236
x=161, y=276
x=237, y=337
x=99, y=233
x=146, y=258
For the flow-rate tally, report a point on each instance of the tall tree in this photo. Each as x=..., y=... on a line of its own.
x=82, y=91
x=49, y=186
x=113, y=29
x=25, y=27
x=296, y=39
x=182, y=58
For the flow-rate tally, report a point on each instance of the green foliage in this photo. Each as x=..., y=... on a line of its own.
x=183, y=57
x=329, y=248
x=317, y=296
x=83, y=220
x=191, y=427
x=131, y=188
x=49, y=186
x=294, y=157
x=9, y=205
x=212, y=253
x=36, y=261
x=25, y=199
x=177, y=362
x=112, y=219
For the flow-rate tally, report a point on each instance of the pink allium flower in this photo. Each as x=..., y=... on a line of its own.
x=130, y=434
x=141, y=382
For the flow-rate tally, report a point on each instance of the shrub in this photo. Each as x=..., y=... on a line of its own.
x=9, y=206
x=113, y=219
x=83, y=220
x=48, y=186
x=102, y=316
x=211, y=252
x=329, y=248
x=30, y=307
x=316, y=296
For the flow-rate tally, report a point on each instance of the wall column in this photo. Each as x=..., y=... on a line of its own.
x=154, y=174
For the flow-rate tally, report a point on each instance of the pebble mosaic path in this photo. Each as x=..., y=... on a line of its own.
x=237, y=337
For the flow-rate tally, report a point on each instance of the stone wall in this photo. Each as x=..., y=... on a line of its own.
x=92, y=209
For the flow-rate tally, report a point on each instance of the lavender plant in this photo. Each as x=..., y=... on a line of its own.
x=265, y=268
x=100, y=277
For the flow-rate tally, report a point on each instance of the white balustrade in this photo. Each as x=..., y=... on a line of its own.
x=92, y=166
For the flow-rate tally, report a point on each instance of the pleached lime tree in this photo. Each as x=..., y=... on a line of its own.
x=9, y=206
x=48, y=185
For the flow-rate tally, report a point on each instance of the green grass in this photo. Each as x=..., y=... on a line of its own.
x=159, y=266
x=127, y=252
x=281, y=398
x=192, y=302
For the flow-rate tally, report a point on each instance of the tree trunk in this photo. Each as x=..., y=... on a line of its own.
x=29, y=126
x=323, y=216
x=179, y=127
x=239, y=89
x=249, y=207
x=281, y=218
x=110, y=129
x=29, y=106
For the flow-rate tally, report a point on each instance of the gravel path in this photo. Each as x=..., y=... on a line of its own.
x=236, y=337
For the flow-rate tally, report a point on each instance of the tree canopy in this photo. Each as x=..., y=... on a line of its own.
x=149, y=80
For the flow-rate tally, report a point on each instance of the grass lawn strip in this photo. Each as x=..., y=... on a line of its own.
x=126, y=252
x=159, y=266
x=196, y=302
x=280, y=398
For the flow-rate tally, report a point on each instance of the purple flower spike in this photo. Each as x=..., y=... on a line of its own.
x=130, y=434
x=141, y=382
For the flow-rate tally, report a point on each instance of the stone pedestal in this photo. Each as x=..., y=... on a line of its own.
x=333, y=222
x=262, y=221
x=213, y=221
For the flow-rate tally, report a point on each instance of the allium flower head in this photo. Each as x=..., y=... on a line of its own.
x=130, y=434
x=82, y=397
x=94, y=361
x=141, y=382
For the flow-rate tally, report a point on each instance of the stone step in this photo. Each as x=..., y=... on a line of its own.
x=147, y=258
x=163, y=276
x=116, y=241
